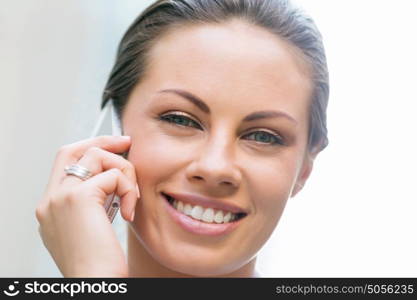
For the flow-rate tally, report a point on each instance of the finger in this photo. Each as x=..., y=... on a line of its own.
x=114, y=181
x=115, y=144
x=97, y=160
x=70, y=154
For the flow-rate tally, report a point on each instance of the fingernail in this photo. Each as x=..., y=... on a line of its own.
x=132, y=216
x=137, y=191
x=126, y=137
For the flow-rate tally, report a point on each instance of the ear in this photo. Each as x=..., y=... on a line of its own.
x=305, y=172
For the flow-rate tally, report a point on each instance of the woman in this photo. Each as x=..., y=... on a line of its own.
x=223, y=104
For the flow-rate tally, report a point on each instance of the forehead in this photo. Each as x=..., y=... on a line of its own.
x=234, y=60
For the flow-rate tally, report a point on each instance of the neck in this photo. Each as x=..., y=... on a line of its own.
x=142, y=264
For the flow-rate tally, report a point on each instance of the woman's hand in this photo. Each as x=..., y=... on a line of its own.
x=73, y=222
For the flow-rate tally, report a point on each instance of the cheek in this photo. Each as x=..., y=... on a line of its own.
x=271, y=187
x=156, y=158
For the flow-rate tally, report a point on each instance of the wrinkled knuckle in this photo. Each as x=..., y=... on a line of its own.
x=130, y=165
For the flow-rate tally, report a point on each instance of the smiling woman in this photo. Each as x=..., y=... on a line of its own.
x=224, y=103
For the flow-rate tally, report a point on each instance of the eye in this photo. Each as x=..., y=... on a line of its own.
x=180, y=120
x=265, y=138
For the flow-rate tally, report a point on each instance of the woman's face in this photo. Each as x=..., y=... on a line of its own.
x=239, y=142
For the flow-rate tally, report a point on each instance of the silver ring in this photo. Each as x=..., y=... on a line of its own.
x=78, y=171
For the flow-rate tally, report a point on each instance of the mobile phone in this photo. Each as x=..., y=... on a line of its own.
x=107, y=121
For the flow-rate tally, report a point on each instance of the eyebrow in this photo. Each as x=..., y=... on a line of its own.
x=190, y=97
x=266, y=114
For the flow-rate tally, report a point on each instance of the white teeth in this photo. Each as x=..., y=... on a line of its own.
x=180, y=206
x=218, y=217
x=208, y=215
x=187, y=209
x=197, y=212
x=227, y=217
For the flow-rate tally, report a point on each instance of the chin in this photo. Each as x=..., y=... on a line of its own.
x=195, y=260
x=195, y=270
x=198, y=261
x=198, y=268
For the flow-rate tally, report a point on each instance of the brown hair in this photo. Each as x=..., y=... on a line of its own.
x=277, y=16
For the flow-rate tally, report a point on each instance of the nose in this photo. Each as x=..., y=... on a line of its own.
x=215, y=166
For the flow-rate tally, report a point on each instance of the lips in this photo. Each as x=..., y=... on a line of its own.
x=205, y=202
x=200, y=226
x=205, y=214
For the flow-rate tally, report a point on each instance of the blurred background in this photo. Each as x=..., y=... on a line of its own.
x=355, y=217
